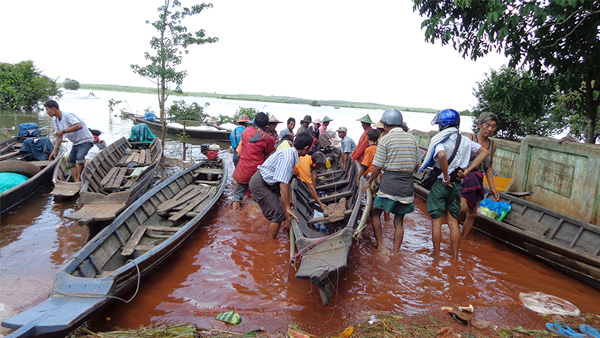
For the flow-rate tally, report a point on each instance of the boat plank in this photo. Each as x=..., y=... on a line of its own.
x=189, y=207
x=96, y=212
x=133, y=241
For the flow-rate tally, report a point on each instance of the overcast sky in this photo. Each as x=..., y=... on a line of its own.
x=316, y=49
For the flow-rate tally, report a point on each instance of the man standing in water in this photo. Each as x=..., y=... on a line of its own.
x=270, y=184
x=445, y=195
x=397, y=156
x=76, y=131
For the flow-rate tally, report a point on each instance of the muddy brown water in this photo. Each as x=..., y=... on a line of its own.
x=230, y=264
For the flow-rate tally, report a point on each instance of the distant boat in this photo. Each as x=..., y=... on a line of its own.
x=215, y=133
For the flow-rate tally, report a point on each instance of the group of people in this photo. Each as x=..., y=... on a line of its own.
x=388, y=155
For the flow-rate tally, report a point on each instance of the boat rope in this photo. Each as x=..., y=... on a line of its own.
x=137, y=288
x=300, y=253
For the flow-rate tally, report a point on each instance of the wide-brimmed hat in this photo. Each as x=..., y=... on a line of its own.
x=307, y=118
x=379, y=125
x=273, y=119
x=317, y=121
x=365, y=119
x=326, y=119
x=343, y=129
x=244, y=119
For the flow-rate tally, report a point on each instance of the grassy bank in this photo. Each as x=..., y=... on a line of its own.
x=261, y=98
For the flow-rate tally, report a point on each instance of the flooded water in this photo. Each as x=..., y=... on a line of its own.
x=230, y=264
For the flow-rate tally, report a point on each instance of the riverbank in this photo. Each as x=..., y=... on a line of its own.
x=381, y=325
x=261, y=98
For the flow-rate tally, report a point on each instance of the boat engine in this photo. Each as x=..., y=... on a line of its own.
x=210, y=151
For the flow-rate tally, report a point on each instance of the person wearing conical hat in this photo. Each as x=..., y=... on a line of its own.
x=273, y=122
x=359, y=151
x=325, y=124
x=236, y=136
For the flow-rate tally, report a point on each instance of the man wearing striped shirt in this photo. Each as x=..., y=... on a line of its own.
x=270, y=184
x=397, y=156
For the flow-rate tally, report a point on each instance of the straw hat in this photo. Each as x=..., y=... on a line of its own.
x=326, y=119
x=317, y=121
x=273, y=119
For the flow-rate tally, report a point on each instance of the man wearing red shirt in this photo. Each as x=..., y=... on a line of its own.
x=359, y=152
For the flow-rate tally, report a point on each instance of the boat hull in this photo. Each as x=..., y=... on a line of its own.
x=102, y=270
x=221, y=135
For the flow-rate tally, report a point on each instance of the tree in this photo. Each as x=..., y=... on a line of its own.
x=71, y=84
x=173, y=41
x=23, y=87
x=180, y=110
x=522, y=102
x=250, y=112
x=557, y=39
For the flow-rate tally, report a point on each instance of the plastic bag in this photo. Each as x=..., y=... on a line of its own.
x=497, y=210
x=548, y=304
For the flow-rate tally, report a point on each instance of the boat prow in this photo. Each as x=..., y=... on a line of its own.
x=74, y=300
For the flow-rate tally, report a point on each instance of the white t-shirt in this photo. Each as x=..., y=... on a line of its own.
x=83, y=135
x=463, y=155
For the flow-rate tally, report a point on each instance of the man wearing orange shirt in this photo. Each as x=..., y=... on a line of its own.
x=367, y=164
x=359, y=152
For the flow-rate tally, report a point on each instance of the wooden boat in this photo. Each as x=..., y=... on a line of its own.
x=122, y=254
x=64, y=185
x=563, y=242
x=222, y=135
x=323, y=254
x=40, y=173
x=116, y=177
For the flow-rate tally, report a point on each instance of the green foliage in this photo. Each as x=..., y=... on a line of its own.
x=170, y=45
x=112, y=103
x=180, y=111
x=314, y=103
x=522, y=102
x=24, y=88
x=557, y=40
x=71, y=84
x=251, y=112
x=570, y=111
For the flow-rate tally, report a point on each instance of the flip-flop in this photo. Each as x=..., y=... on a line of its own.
x=564, y=329
x=590, y=331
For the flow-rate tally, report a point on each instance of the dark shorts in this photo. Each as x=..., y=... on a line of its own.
x=78, y=152
x=444, y=199
x=268, y=198
x=393, y=207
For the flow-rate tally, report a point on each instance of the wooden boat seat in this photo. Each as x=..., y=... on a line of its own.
x=209, y=171
x=140, y=156
x=332, y=197
x=332, y=185
x=525, y=223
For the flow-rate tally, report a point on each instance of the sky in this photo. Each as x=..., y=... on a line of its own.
x=312, y=49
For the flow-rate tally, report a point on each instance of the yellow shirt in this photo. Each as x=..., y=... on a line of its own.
x=302, y=169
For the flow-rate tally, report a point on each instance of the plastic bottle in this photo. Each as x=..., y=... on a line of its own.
x=321, y=226
x=328, y=163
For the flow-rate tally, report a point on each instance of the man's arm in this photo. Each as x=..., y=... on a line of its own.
x=344, y=160
x=57, y=144
x=286, y=197
x=443, y=162
x=374, y=174
x=482, y=153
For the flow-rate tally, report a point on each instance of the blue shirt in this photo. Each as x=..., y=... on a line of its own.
x=279, y=167
x=348, y=145
x=236, y=136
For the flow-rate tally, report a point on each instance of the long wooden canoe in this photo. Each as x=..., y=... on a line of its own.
x=118, y=258
x=563, y=242
x=40, y=173
x=222, y=135
x=323, y=254
x=116, y=177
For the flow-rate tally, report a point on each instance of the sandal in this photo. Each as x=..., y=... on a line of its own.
x=590, y=331
x=564, y=329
